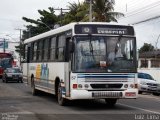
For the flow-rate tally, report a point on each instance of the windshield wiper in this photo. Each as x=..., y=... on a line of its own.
x=91, y=47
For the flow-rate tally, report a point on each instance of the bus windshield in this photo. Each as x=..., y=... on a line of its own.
x=6, y=63
x=105, y=54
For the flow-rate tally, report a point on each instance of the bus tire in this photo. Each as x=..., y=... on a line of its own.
x=61, y=101
x=34, y=91
x=110, y=101
x=156, y=94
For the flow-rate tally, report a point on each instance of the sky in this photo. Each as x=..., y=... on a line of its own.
x=12, y=11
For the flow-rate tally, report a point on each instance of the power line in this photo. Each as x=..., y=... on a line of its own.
x=147, y=20
x=148, y=7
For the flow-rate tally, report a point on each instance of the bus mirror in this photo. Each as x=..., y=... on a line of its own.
x=24, y=60
x=71, y=47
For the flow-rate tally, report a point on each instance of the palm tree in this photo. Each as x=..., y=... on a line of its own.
x=103, y=11
x=76, y=13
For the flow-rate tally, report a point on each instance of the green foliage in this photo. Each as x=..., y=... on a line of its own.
x=146, y=47
x=103, y=11
x=77, y=12
x=45, y=23
x=20, y=50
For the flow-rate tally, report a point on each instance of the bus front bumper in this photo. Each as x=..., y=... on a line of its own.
x=85, y=94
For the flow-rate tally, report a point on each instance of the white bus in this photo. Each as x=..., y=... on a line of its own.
x=85, y=60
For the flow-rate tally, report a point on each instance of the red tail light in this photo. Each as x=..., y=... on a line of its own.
x=74, y=86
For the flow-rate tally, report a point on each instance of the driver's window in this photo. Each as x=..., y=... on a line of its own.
x=128, y=49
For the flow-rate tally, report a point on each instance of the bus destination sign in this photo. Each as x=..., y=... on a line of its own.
x=104, y=29
x=114, y=31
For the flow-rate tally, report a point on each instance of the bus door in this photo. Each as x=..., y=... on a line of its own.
x=68, y=65
x=28, y=61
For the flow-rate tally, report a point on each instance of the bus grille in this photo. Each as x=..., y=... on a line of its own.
x=98, y=86
x=107, y=94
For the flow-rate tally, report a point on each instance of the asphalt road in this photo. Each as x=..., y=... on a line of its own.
x=17, y=103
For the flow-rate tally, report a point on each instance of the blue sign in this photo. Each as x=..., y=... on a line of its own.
x=2, y=44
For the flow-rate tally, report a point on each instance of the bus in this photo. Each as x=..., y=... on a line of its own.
x=74, y=62
x=6, y=61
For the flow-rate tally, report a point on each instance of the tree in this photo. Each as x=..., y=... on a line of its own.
x=103, y=11
x=146, y=47
x=77, y=12
x=46, y=22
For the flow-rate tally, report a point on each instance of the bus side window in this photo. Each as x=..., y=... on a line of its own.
x=60, y=48
x=39, y=50
x=32, y=51
x=52, y=48
x=49, y=49
x=35, y=51
x=46, y=49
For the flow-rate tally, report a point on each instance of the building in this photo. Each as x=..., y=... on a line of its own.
x=149, y=62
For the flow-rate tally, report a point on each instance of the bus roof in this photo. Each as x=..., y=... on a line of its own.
x=65, y=28
x=5, y=55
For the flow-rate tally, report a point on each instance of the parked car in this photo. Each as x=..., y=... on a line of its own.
x=146, y=83
x=12, y=74
x=157, y=92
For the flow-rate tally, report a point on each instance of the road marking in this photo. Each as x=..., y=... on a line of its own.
x=21, y=111
x=139, y=108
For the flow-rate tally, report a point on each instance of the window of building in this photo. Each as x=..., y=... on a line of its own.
x=155, y=63
x=144, y=64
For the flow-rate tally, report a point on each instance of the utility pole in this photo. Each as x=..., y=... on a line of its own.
x=20, y=30
x=126, y=8
x=90, y=11
x=61, y=9
x=156, y=48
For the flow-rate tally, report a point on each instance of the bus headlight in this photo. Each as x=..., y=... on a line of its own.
x=86, y=86
x=132, y=85
x=79, y=85
x=126, y=86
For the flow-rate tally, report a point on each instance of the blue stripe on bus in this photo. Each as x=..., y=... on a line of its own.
x=106, y=75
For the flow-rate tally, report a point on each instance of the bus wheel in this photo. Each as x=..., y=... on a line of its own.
x=34, y=91
x=139, y=92
x=110, y=101
x=61, y=100
x=156, y=94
